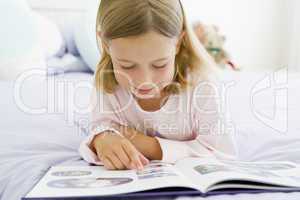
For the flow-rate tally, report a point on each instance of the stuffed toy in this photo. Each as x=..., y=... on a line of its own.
x=213, y=41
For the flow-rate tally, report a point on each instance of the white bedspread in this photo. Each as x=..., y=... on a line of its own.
x=31, y=143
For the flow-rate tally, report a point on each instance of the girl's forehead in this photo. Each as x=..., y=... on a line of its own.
x=148, y=38
x=147, y=44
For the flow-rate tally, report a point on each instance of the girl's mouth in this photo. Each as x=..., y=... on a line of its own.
x=144, y=91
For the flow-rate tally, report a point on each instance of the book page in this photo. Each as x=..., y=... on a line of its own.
x=207, y=172
x=193, y=169
x=87, y=181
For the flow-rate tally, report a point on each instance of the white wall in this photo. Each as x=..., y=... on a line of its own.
x=256, y=30
x=69, y=5
x=65, y=13
x=294, y=30
x=261, y=34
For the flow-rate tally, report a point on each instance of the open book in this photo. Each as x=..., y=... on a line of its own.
x=190, y=176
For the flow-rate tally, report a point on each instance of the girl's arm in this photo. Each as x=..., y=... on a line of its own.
x=101, y=119
x=173, y=150
x=148, y=145
x=167, y=150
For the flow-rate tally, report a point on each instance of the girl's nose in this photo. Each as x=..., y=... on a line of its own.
x=146, y=80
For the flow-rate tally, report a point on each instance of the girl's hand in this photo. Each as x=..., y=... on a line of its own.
x=147, y=145
x=117, y=152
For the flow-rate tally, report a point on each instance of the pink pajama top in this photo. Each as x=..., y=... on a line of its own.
x=189, y=124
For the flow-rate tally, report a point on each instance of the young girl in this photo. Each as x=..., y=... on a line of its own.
x=155, y=97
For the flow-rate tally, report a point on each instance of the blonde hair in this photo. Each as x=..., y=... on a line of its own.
x=124, y=18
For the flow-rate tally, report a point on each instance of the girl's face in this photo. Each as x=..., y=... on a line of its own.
x=144, y=64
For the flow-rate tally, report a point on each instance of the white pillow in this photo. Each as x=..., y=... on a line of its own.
x=67, y=63
x=20, y=48
x=85, y=35
x=50, y=37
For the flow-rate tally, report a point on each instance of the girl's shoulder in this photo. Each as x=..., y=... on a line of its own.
x=202, y=83
x=204, y=92
x=119, y=101
x=117, y=97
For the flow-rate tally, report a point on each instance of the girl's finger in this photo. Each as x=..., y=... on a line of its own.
x=99, y=154
x=116, y=161
x=144, y=160
x=124, y=157
x=108, y=164
x=133, y=155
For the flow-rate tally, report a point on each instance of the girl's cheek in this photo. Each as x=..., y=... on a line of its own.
x=166, y=74
x=124, y=79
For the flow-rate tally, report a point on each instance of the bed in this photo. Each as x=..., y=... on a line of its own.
x=43, y=118
x=33, y=139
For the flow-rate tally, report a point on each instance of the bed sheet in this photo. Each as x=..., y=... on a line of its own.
x=32, y=142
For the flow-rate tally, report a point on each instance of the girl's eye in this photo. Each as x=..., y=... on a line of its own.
x=159, y=67
x=127, y=67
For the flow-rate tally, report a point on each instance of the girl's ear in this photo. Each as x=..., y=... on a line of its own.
x=179, y=42
x=103, y=43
